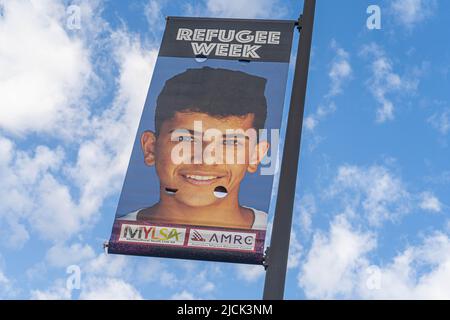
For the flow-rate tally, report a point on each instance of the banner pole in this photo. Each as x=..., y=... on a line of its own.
x=277, y=257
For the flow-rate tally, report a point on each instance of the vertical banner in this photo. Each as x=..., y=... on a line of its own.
x=200, y=177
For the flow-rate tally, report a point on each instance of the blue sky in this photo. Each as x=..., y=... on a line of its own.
x=371, y=216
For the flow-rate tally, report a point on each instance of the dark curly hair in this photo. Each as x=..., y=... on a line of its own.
x=219, y=93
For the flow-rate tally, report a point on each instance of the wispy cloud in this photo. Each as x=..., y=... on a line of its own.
x=269, y=9
x=305, y=209
x=441, y=121
x=183, y=295
x=430, y=202
x=246, y=9
x=379, y=194
x=385, y=81
x=153, y=11
x=249, y=273
x=339, y=74
x=109, y=289
x=410, y=13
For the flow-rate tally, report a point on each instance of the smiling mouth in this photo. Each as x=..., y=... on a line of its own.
x=201, y=179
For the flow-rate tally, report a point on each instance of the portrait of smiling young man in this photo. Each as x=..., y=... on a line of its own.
x=202, y=117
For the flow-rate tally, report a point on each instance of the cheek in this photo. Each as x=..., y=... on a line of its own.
x=238, y=173
x=164, y=164
x=236, y=156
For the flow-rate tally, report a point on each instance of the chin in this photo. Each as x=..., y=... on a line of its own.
x=197, y=202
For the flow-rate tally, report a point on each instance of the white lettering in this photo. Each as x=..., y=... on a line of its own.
x=249, y=51
x=223, y=38
x=274, y=37
x=184, y=34
x=261, y=37
x=203, y=48
x=211, y=33
x=244, y=36
x=222, y=49
x=235, y=50
x=199, y=35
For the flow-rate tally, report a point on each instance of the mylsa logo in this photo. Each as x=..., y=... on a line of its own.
x=152, y=234
x=222, y=239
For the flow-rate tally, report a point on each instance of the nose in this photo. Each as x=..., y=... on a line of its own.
x=212, y=152
x=207, y=152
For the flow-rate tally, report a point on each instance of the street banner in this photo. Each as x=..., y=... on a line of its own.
x=200, y=178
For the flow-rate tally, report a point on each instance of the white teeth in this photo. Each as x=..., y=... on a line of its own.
x=201, y=178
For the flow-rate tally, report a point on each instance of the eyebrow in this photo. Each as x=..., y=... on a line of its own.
x=238, y=136
x=226, y=136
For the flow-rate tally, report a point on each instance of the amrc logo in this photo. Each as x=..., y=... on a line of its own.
x=222, y=239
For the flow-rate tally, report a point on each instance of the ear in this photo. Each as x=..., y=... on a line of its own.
x=259, y=152
x=148, y=141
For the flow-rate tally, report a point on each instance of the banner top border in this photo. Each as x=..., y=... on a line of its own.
x=232, y=19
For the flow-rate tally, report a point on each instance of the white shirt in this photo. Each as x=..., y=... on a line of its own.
x=259, y=223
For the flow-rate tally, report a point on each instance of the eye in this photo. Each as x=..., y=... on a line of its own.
x=185, y=139
x=231, y=142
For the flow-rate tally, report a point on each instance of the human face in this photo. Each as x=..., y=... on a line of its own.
x=195, y=180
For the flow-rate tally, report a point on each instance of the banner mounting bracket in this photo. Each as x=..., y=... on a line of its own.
x=106, y=246
x=299, y=22
x=265, y=261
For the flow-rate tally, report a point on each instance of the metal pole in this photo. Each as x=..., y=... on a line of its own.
x=279, y=244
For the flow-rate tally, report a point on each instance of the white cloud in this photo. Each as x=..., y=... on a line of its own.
x=295, y=251
x=312, y=120
x=419, y=272
x=109, y=148
x=40, y=91
x=429, y=202
x=3, y=279
x=339, y=262
x=183, y=295
x=410, y=13
x=7, y=289
x=155, y=17
x=37, y=272
x=330, y=266
x=339, y=73
x=23, y=176
x=198, y=277
x=57, y=291
x=338, y=266
x=340, y=70
x=376, y=191
x=109, y=265
x=306, y=208
x=102, y=276
x=109, y=289
x=156, y=271
x=208, y=287
x=385, y=81
x=92, y=288
x=246, y=9
x=62, y=256
x=45, y=190
x=249, y=273
x=441, y=121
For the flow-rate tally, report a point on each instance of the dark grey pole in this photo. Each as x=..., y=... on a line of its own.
x=279, y=245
